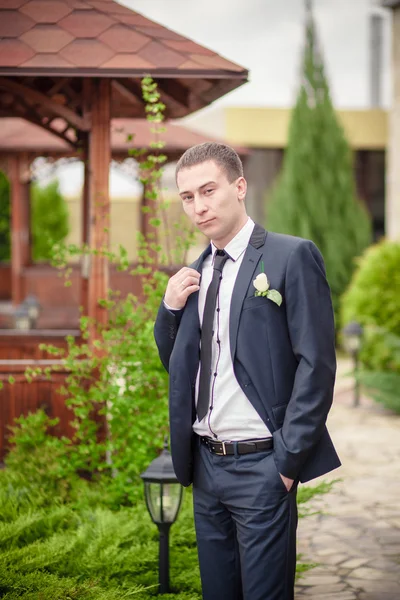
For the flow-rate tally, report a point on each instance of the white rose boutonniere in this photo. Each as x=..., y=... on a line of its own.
x=262, y=285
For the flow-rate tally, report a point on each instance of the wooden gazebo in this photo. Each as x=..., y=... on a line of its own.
x=70, y=67
x=28, y=141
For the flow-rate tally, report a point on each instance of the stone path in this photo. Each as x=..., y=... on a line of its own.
x=356, y=541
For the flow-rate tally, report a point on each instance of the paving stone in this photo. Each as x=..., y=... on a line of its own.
x=353, y=563
x=370, y=574
x=335, y=559
x=375, y=596
x=391, y=550
x=383, y=586
x=386, y=564
x=343, y=572
x=340, y=596
x=333, y=550
x=321, y=579
x=321, y=591
x=394, y=522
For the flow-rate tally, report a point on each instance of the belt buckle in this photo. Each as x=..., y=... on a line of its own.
x=223, y=448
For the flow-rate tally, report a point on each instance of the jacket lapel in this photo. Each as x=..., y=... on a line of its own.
x=198, y=263
x=245, y=275
x=191, y=313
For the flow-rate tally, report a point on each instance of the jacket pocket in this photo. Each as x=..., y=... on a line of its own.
x=254, y=302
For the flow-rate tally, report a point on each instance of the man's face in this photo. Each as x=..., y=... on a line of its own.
x=215, y=206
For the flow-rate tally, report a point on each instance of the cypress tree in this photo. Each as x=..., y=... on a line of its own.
x=50, y=219
x=315, y=194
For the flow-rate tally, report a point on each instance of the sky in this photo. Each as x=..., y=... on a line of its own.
x=266, y=37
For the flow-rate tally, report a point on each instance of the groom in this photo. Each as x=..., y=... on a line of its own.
x=247, y=336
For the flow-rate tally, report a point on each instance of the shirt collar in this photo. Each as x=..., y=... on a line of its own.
x=239, y=243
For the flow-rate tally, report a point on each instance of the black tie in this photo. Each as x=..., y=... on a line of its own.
x=207, y=333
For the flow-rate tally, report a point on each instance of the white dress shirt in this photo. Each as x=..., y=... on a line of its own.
x=232, y=416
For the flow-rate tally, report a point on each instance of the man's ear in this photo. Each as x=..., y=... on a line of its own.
x=241, y=187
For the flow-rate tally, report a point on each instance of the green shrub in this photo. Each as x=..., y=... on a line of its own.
x=65, y=551
x=48, y=455
x=373, y=299
x=50, y=219
x=117, y=390
x=384, y=385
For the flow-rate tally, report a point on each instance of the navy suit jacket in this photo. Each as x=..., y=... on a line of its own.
x=283, y=356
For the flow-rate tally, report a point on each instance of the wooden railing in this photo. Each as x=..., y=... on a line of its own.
x=19, y=350
x=20, y=398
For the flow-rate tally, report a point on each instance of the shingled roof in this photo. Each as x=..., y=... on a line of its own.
x=18, y=135
x=97, y=37
x=51, y=51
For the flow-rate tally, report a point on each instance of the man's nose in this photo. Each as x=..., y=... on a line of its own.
x=199, y=205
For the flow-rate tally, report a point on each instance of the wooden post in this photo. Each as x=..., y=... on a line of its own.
x=85, y=267
x=99, y=204
x=20, y=223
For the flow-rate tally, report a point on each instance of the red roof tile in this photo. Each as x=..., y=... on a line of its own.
x=47, y=38
x=161, y=56
x=86, y=23
x=107, y=7
x=188, y=47
x=137, y=19
x=86, y=53
x=76, y=4
x=45, y=11
x=215, y=61
x=127, y=61
x=47, y=60
x=13, y=23
x=14, y=52
x=123, y=39
x=161, y=33
x=11, y=4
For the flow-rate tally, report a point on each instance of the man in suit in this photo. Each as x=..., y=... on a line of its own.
x=247, y=336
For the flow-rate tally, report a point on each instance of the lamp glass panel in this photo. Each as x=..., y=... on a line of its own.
x=171, y=500
x=153, y=493
x=353, y=343
x=163, y=501
x=33, y=311
x=22, y=322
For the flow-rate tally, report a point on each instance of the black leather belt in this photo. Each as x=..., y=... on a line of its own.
x=228, y=448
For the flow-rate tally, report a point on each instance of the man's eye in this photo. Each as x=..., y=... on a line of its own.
x=209, y=191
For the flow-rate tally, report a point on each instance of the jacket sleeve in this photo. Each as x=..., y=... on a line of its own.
x=165, y=330
x=312, y=333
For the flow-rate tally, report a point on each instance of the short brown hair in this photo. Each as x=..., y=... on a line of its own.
x=225, y=156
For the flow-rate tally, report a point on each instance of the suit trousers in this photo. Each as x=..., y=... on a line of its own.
x=246, y=525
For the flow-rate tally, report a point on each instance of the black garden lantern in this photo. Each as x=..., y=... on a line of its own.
x=163, y=494
x=22, y=320
x=31, y=303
